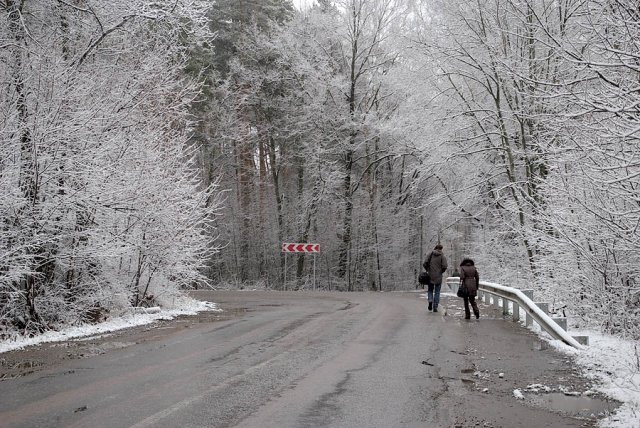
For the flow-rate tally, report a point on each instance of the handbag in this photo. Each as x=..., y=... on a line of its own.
x=462, y=290
x=424, y=278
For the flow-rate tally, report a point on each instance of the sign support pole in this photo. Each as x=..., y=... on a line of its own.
x=285, y=272
x=314, y=271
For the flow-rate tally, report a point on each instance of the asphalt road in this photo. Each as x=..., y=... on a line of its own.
x=295, y=359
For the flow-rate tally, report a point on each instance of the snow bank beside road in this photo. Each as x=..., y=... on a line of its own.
x=185, y=306
x=614, y=364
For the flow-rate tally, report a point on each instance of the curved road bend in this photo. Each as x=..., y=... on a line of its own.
x=301, y=359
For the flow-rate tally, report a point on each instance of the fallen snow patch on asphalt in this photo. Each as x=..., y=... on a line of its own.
x=184, y=306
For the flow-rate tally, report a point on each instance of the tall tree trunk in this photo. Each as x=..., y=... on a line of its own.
x=309, y=219
x=347, y=221
x=245, y=172
x=345, y=238
x=28, y=182
x=275, y=176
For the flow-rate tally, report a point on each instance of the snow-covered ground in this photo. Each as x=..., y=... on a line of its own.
x=614, y=363
x=615, y=366
x=186, y=306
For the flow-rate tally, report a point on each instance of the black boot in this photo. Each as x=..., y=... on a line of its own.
x=476, y=310
x=430, y=305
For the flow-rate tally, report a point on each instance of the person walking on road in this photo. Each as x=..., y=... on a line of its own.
x=435, y=265
x=471, y=279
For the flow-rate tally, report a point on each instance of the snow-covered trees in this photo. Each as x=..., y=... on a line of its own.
x=541, y=99
x=595, y=177
x=505, y=129
x=508, y=126
x=495, y=77
x=101, y=205
x=309, y=149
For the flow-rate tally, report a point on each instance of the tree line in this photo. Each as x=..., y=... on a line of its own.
x=148, y=148
x=101, y=201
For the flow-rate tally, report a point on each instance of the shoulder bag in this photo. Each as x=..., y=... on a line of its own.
x=462, y=290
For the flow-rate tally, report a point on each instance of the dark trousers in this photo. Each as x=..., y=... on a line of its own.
x=474, y=305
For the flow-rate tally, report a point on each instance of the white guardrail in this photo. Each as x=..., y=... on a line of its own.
x=523, y=299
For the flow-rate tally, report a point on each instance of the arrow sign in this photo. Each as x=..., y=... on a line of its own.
x=288, y=247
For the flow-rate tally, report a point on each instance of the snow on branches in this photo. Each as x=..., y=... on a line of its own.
x=101, y=203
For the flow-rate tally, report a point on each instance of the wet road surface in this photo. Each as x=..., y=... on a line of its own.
x=297, y=359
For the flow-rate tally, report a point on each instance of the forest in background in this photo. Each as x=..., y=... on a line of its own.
x=151, y=147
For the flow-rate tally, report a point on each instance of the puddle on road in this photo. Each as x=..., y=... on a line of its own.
x=221, y=315
x=581, y=406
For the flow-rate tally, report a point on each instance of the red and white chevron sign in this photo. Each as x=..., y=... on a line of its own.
x=288, y=247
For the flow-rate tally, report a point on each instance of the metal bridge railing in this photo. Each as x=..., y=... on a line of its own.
x=533, y=311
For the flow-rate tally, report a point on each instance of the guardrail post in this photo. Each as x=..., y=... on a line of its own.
x=562, y=322
x=528, y=318
x=583, y=340
x=516, y=312
x=543, y=306
x=505, y=306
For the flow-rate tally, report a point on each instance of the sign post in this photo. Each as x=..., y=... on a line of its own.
x=288, y=247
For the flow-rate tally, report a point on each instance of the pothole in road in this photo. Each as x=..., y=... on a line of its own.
x=577, y=406
x=539, y=345
x=14, y=369
x=28, y=364
x=221, y=315
x=93, y=349
x=348, y=306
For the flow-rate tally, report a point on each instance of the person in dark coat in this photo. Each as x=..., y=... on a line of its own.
x=435, y=265
x=470, y=277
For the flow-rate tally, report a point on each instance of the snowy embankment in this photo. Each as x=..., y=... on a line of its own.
x=614, y=366
x=139, y=316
